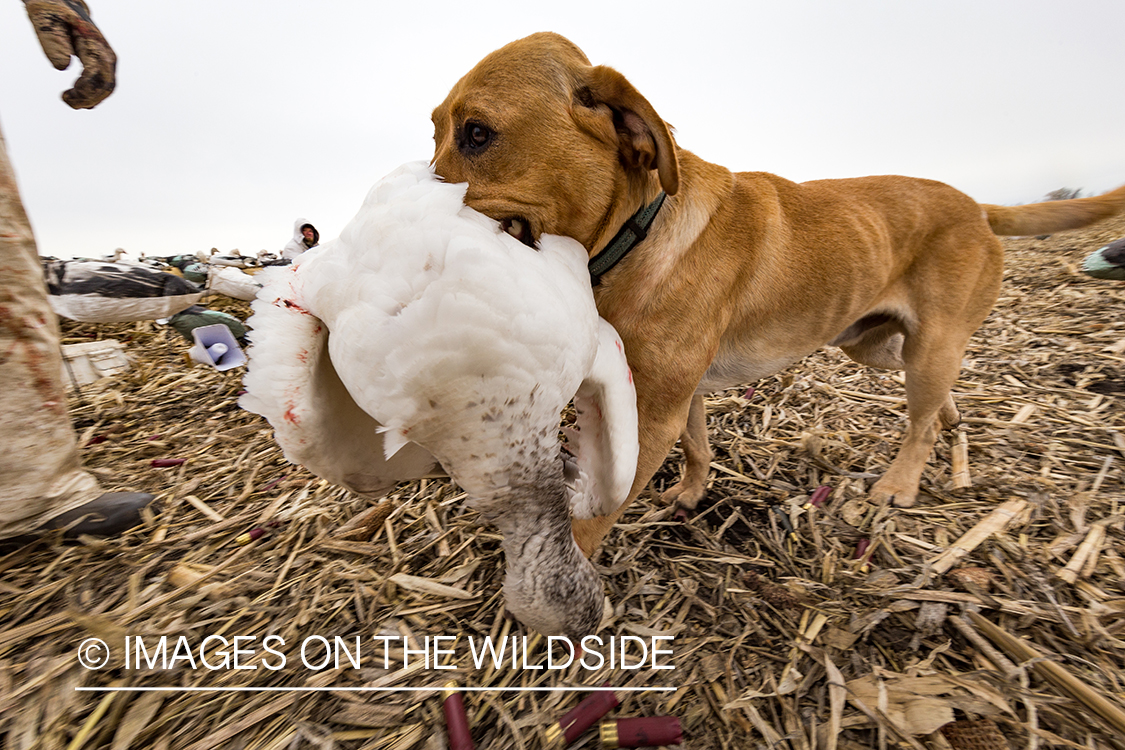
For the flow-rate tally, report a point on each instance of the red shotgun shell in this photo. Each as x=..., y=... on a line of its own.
x=818, y=496
x=649, y=731
x=250, y=536
x=456, y=722
x=580, y=718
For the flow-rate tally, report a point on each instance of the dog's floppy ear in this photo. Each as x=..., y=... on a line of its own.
x=642, y=137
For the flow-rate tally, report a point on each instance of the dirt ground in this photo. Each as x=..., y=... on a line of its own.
x=843, y=625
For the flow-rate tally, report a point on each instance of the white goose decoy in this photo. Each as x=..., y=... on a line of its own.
x=118, y=254
x=424, y=334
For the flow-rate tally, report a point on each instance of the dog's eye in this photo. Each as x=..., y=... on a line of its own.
x=476, y=137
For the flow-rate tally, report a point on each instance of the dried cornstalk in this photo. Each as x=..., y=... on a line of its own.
x=972, y=636
x=427, y=586
x=94, y=718
x=1088, y=550
x=1024, y=413
x=961, y=478
x=1054, y=673
x=204, y=508
x=764, y=728
x=1118, y=440
x=993, y=523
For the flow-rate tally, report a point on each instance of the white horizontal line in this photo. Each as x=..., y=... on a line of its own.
x=367, y=689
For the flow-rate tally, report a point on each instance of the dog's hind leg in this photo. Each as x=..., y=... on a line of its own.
x=881, y=347
x=697, y=459
x=931, y=370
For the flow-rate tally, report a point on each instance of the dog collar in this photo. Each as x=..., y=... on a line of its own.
x=629, y=236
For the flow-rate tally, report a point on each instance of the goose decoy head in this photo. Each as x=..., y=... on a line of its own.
x=1107, y=262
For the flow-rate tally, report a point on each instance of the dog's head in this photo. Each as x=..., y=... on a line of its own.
x=550, y=144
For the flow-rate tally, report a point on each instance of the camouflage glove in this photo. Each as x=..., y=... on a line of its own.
x=64, y=29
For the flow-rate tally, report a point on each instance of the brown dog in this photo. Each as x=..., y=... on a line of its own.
x=740, y=275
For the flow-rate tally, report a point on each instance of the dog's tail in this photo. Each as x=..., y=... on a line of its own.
x=1054, y=216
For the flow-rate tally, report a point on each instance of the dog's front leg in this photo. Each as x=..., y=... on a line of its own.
x=687, y=492
x=660, y=423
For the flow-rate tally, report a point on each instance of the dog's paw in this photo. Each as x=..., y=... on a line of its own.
x=886, y=493
x=905, y=501
x=684, y=496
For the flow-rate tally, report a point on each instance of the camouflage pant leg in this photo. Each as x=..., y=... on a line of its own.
x=40, y=472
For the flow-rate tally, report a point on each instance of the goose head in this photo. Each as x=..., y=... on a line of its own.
x=427, y=334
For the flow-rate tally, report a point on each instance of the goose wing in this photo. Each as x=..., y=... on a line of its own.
x=605, y=439
x=292, y=382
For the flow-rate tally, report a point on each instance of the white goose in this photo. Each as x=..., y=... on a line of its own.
x=425, y=335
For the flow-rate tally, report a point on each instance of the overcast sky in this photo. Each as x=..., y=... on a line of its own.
x=233, y=118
